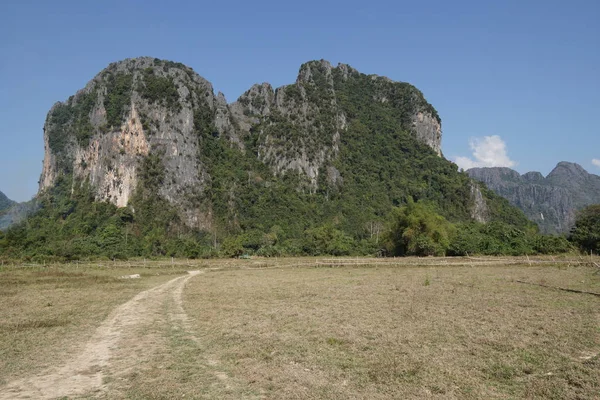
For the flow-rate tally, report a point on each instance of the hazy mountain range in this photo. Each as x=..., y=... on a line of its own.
x=551, y=201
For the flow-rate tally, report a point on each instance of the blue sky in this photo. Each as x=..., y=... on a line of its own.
x=515, y=82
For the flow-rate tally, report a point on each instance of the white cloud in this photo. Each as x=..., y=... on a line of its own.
x=488, y=151
x=596, y=162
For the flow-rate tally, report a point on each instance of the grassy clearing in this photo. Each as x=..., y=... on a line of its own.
x=47, y=313
x=400, y=332
x=327, y=329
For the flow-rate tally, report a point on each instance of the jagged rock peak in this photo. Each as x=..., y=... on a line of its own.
x=550, y=201
x=568, y=170
x=494, y=174
x=257, y=100
x=346, y=70
x=306, y=73
x=321, y=76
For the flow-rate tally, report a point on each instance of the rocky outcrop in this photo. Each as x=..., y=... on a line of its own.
x=288, y=121
x=130, y=109
x=300, y=125
x=479, y=209
x=428, y=130
x=551, y=202
x=109, y=161
x=143, y=106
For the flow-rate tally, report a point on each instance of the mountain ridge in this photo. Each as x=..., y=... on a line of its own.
x=12, y=212
x=5, y=202
x=551, y=201
x=147, y=160
x=137, y=104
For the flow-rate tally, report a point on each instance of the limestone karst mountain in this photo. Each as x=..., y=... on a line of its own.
x=336, y=151
x=141, y=106
x=550, y=201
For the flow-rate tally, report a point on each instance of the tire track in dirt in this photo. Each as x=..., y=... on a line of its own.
x=180, y=320
x=115, y=348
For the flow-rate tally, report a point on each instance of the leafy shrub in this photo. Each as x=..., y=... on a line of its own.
x=586, y=232
x=326, y=240
x=418, y=230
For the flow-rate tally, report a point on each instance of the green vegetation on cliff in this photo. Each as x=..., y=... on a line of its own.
x=72, y=116
x=118, y=97
x=159, y=89
x=334, y=167
x=72, y=225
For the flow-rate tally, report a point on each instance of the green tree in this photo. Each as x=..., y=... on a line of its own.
x=467, y=239
x=326, y=240
x=418, y=230
x=586, y=232
x=232, y=246
x=548, y=244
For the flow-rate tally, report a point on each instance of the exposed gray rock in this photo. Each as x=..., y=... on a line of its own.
x=162, y=105
x=315, y=140
x=428, y=130
x=479, y=210
x=551, y=202
x=334, y=178
x=533, y=177
x=110, y=159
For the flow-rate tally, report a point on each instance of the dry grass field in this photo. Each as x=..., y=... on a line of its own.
x=302, y=329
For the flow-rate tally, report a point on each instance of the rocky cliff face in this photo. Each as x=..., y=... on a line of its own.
x=551, y=202
x=299, y=126
x=143, y=106
x=129, y=110
x=479, y=210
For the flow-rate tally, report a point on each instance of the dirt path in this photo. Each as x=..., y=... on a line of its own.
x=123, y=342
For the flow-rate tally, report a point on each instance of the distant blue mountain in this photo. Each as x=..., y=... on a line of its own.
x=12, y=212
x=551, y=202
x=5, y=202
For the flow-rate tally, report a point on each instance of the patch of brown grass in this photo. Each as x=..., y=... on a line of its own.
x=48, y=313
x=327, y=329
x=25, y=325
x=380, y=332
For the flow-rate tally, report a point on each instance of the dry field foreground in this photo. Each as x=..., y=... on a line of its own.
x=301, y=329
